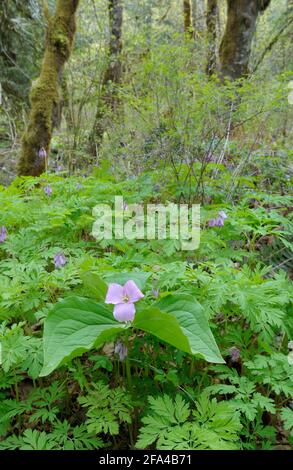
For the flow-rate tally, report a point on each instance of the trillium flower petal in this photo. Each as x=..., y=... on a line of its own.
x=124, y=312
x=131, y=291
x=115, y=294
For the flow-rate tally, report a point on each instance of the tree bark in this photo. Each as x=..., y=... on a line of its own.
x=113, y=74
x=45, y=95
x=212, y=13
x=198, y=16
x=187, y=18
x=235, y=47
x=114, y=70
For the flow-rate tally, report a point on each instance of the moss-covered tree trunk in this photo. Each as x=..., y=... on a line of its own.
x=198, y=12
x=187, y=18
x=212, y=14
x=236, y=43
x=45, y=95
x=113, y=75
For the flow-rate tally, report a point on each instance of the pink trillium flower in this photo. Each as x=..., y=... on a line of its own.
x=123, y=299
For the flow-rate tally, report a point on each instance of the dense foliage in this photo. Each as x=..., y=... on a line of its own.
x=207, y=362
x=238, y=275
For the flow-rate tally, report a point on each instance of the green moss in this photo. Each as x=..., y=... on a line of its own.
x=45, y=95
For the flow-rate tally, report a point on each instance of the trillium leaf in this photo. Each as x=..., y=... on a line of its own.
x=162, y=325
x=74, y=326
x=94, y=285
x=193, y=324
x=140, y=278
x=180, y=321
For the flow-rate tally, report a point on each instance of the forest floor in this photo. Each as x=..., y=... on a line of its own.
x=239, y=277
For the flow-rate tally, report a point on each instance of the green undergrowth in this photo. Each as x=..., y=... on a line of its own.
x=159, y=396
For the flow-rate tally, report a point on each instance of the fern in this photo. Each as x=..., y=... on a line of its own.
x=13, y=346
x=273, y=371
x=18, y=350
x=246, y=399
x=34, y=357
x=107, y=408
x=287, y=417
x=11, y=408
x=30, y=440
x=40, y=405
x=62, y=437
x=76, y=438
x=249, y=294
x=173, y=426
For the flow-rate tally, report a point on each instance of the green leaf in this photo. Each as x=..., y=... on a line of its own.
x=213, y=425
x=74, y=326
x=163, y=326
x=140, y=278
x=287, y=417
x=180, y=321
x=77, y=324
x=94, y=285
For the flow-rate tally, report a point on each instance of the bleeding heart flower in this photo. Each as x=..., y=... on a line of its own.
x=223, y=215
x=48, y=190
x=59, y=260
x=3, y=234
x=219, y=221
x=155, y=292
x=121, y=350
x=123, y=297
x=42, y=153
x=211, y=222
x=234, y=354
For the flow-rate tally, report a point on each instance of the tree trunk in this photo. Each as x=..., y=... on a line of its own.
x=113, y=74
x=114, y=70
x=45, y=95
x=187, y=18
x=240, y=28
x=198, y=16
x=212, y=13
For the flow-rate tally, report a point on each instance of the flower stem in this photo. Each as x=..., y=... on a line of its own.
x=128, y=373
x=192, y=367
